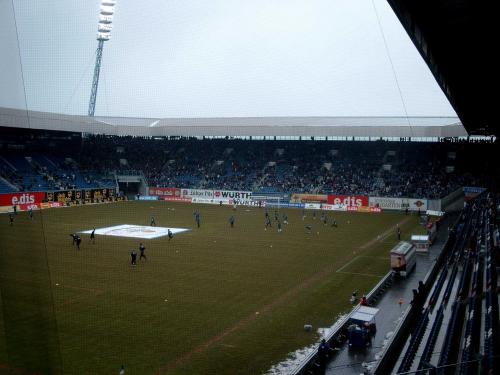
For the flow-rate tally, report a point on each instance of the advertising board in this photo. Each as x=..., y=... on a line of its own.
x=309, y=198
x=282, y=205
x=176, y=199
x=348, y=200
x=248, y=202
x=232, y=194
x=312, y=206
x=148, y=197
x=23, y=200
x=364, y=209
x=197, y=193
x=87, y=195
x=210, y=201
x=165, y=191
x=334, y=207
x=471, y=192
x=50, y=205
x=401, y=204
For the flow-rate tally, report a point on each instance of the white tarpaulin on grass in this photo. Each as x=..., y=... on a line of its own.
x=136, y=231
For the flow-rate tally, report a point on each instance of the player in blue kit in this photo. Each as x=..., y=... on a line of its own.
x=142, y=249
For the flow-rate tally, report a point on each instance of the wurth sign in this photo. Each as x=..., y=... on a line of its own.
x=232, y=194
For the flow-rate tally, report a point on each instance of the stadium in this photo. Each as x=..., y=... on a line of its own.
x=265, y=187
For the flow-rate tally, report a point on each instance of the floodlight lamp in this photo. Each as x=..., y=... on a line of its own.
x=105, y=27
x=103, y=36
x=105, y=19
x=107, y=10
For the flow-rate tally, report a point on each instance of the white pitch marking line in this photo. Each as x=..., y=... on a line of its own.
x=360, y=274
x=374, y=257
x=347, y=264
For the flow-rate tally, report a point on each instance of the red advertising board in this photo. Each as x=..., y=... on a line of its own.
x=348, y=200
x=24, y=201
x=364, y=209
x=165, y=192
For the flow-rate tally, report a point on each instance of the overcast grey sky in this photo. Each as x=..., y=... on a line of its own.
x=215, y=58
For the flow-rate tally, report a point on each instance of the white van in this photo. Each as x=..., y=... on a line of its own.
x=403, y=258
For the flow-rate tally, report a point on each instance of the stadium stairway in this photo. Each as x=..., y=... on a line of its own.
x=429, y=331
x=346, y=361
x=6, y=186
x=458, y=322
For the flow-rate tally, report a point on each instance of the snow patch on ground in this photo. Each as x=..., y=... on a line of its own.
x=294, y=359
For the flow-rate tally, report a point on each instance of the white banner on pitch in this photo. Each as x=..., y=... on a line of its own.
x=136, y=231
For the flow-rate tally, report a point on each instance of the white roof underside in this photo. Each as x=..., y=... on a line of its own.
x=238, y=126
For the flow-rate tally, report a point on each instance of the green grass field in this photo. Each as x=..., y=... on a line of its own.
x=214, y=300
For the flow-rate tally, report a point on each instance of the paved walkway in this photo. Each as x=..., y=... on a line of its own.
x=351, y=362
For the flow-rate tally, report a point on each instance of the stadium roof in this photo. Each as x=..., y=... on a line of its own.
x=454, y=38
x=219, y=59
x=238, y=126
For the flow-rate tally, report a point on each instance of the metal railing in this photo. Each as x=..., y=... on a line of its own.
x=340, y=325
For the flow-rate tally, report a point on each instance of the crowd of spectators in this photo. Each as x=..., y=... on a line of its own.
x=28, y=173
x=401, y=169
x=398, y=169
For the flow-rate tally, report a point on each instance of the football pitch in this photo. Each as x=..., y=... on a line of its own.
x=212, y=300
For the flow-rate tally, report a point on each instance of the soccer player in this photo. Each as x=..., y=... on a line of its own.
x=92, y=236
x=170, y=234
x=78, y=242
x=279, y=226
x=14, y=207
x=303, y=215
x=142, y=249
x=231, y=221
x=133, y=256
x=276, y=216
x=314, y=215
x=11, y=219
x=153, y=222
x=398, y=232
x=30, y=213
x=334, y=223
x=73, y=236
x=285, y=219
x=197, y=218
x=308, y=229
x=268, y=222
x=325, y=219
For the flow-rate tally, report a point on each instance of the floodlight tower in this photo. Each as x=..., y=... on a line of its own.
x=106, y=13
